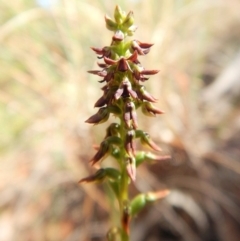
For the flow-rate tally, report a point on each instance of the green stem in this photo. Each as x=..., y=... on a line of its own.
x=123, y=186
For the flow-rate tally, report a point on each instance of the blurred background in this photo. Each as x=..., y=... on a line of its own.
x=46, y=95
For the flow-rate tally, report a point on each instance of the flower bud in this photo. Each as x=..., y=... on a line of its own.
x=110, y=24
x=141, y=200
x=119, y=15
x=131, y=30
x=128, y=21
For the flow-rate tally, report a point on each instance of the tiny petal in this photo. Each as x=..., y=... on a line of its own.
x=149, y=72
x=96, y=177
x=150, y=110
x=109, y=76
x=101, y=116
x=141, y=200
x=101, y=102
x=103, y=52
x=123, y=65
x=152, y=157
x=128, y=87
x=134, y=119
x=130, y=114
x=132, y=93
x=143, y=79
x=146, y=51
x=101, y=73
x=133, y=57
x=129, y=143
x=101, y=153
x=144, y=45
x=102, y=65
x=118, y=36
x=131, y=168
x=127, y=118
x=118, y=93
x=143, y=156
x=146, y=96
x=131, y=30
x=109, y=61
x=97, y=50
x=153, y=196
x=145, y=139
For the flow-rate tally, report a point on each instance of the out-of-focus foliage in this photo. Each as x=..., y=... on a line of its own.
x=46, y=95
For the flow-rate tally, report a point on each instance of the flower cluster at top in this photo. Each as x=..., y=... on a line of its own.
x=123, y=93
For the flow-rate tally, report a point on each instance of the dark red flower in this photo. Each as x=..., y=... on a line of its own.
x=144, y=95
x=150, y=110
x=139, y=73
x=130, y=115
x=125, y=89
x=96, y=177
x=101, y=116
x=146, y=140
x=106, y=51
x=101, y=153
x=129, y=143
x=141, y=48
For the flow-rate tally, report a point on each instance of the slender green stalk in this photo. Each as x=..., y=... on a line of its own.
x=123, y=94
